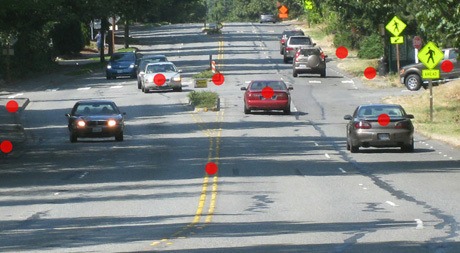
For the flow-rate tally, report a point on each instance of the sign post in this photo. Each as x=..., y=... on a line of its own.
x=395, y=27
x=430, y=56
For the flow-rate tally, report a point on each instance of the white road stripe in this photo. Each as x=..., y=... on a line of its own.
x=391, y=203
x=419, y=224
x=314, y=81
x=116, y=87
x=348, y=81
x=342, y=170
x=327, y=156
x=84, y=88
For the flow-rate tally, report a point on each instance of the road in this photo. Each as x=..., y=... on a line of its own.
x=285, y=182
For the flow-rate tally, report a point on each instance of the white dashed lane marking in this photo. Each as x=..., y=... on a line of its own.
x=84, y=88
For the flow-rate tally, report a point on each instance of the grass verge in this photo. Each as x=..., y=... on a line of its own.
x=446, y=108
x=203, y=99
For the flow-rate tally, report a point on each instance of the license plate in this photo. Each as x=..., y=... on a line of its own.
x=303, y=66
x=383, y=137
x=97, y=129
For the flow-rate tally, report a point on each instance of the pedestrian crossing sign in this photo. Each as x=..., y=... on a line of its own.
x=396, y=26
x=430, y=55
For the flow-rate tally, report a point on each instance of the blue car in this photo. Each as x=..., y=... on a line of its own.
x=122, y=64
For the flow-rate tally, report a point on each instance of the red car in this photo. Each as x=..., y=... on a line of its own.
x=267, y=95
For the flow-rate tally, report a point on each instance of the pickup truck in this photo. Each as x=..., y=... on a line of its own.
x=411, y=75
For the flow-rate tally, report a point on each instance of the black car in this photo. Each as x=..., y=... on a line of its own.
x=142, y=62
x=267, y=18
x=122, y=64
x=95, y=118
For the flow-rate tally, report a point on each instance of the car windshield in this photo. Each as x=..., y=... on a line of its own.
x=86, y=109
x=292, y=33
x=275, y=85
x=123, y=57
x=300, y=41
x=160, y=68
x=376, y=111
x=146, y=61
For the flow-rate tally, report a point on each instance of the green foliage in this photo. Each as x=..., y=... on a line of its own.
x=204, y=74
x=343, y=39
x=203, y=99
x=68, y=37
x=371, y=47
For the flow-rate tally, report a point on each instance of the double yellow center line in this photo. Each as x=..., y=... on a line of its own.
x=214, y=134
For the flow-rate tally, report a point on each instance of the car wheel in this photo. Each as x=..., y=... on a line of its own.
x=73, y=137
x=287, y=111
x=323, y=73
x=294, y=73
x=246, y=110
x=119, y=136
x=281, y=51
x=413, y=82
x=178, y=89
x=408, y=148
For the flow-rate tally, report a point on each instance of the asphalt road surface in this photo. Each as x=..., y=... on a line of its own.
x=285, y=182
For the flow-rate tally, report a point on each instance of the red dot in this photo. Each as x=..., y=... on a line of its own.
x=211, y=168
x=6, y=146
x=383, y=119
x=447, y=66
x=370, y=73
x=218, y=79
x=12, y=106
x=341, y=52
x=159, y=79
x=267, y=92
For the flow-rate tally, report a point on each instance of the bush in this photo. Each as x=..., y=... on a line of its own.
x=371, y=47
x=343, y=39
x=203, y=99
x=68, y=37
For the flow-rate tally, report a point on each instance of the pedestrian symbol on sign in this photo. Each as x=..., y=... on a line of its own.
x=430, y=53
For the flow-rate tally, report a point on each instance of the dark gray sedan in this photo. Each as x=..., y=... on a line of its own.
x=310, y=60
x=380, y=125
x=95, y=118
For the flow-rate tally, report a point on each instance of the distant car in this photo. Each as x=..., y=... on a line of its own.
x=254, y=98
x=267, y=18
x=142, y=63
x=380, y=125
x=121, y=64
x=285, y=36
x=411, y=75
x=172, y=77
x=95, y=118
x=293, y=44
x=309, y=60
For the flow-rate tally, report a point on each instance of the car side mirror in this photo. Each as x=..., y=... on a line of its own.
x=290, y=87
x=409, y=116
x=348, y=117
x=244, y=88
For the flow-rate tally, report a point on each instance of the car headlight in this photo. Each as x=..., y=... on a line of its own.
x=176, y=79
x=131, y=66
x=109, y=66
x=112, y=123
x=81, y=123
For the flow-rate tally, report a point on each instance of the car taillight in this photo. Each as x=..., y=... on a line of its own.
x=254, y=96
x=289, y=49
x=322, y=56
x=402, y=125
x=296, y=55
x=281, y=96
x=283, y=41
x=363, y=125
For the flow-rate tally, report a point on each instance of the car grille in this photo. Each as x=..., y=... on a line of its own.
x=96, y=123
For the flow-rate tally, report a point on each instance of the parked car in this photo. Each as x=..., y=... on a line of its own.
x=142, y=63
x=380, y=125
x=285, y=36
x=95, y=118
x=294, y=43
x=121, y=64
x=254, y=98
x=411, y=75
x=172, y=77
x=267, y=18
x=309, y=60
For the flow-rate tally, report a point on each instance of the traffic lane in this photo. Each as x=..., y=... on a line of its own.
x=114, y=159
x=271, y=169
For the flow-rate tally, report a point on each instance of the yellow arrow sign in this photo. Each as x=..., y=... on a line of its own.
x=397, y=40
x=430, y=55
x=395, y=26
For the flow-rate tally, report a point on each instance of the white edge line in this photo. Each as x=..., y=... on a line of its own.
x=390, y=203
x=419, y=224
x=342, y=170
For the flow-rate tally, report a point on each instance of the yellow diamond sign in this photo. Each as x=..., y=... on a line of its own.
x=430, y=55
x=396, y=26
x=308, y=5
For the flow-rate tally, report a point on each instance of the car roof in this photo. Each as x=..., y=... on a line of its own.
x=95, y=101
x=380, y=105
x=148, y=56
x=267, y=80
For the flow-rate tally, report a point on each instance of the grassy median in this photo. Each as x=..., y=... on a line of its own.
x=203, y=99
